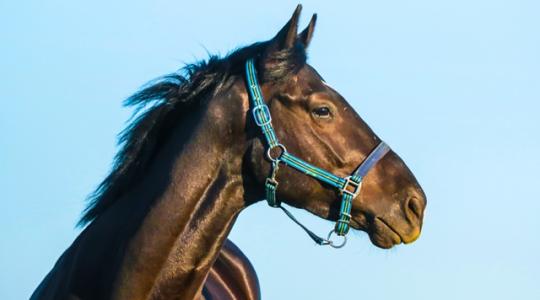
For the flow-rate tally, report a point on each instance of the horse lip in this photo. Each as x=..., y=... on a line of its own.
x=399, y=238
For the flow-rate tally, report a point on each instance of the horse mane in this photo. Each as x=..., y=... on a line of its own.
x=162, y=102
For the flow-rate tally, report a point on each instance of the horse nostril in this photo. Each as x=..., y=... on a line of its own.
x=415, y=206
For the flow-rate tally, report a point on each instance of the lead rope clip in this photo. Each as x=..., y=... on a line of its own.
x=272, y=179
x=271, y=185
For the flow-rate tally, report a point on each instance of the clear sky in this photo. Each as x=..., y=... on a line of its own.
x=452, y=86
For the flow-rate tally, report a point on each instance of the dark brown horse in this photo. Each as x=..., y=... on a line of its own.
x=194, y=159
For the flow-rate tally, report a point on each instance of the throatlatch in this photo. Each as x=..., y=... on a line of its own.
x=349, y=187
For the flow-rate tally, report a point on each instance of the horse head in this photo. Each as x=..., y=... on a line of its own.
x=316, y=124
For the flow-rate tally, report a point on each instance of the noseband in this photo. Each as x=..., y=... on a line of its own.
x=348, y=187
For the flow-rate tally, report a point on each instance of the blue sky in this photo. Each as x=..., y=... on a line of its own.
x=452, y=86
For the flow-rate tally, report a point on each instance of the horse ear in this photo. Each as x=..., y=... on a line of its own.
x=306, y=35
x=286, y=37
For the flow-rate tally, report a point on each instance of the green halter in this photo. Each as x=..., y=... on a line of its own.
x=349, y=187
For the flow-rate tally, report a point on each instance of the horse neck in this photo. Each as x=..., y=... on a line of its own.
x=181, y=235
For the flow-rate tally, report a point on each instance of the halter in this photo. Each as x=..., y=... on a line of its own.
x=348, y=187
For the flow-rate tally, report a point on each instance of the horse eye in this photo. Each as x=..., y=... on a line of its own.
x=322, y=112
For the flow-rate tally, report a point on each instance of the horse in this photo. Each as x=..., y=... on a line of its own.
x=209, y=142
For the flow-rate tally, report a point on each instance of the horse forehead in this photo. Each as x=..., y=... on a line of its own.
x=310, y=80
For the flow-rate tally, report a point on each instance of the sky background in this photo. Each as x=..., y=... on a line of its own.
x=452, y=86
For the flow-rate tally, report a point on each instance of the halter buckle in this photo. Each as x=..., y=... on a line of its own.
x=351, y=187
x=266, y=119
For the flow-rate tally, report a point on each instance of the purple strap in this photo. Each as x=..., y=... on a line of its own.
x=375, y=155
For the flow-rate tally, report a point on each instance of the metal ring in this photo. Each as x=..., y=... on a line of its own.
x=334, y=245
x=269, y=154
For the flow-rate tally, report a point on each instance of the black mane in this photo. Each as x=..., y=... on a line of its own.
x=165, y=100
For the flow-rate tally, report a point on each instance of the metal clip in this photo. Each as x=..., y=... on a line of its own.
x=275, y=168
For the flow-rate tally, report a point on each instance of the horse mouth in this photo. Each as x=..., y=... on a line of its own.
x=383, y=235
x=380, y=232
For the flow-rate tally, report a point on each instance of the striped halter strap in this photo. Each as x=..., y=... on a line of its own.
x=348, y=187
